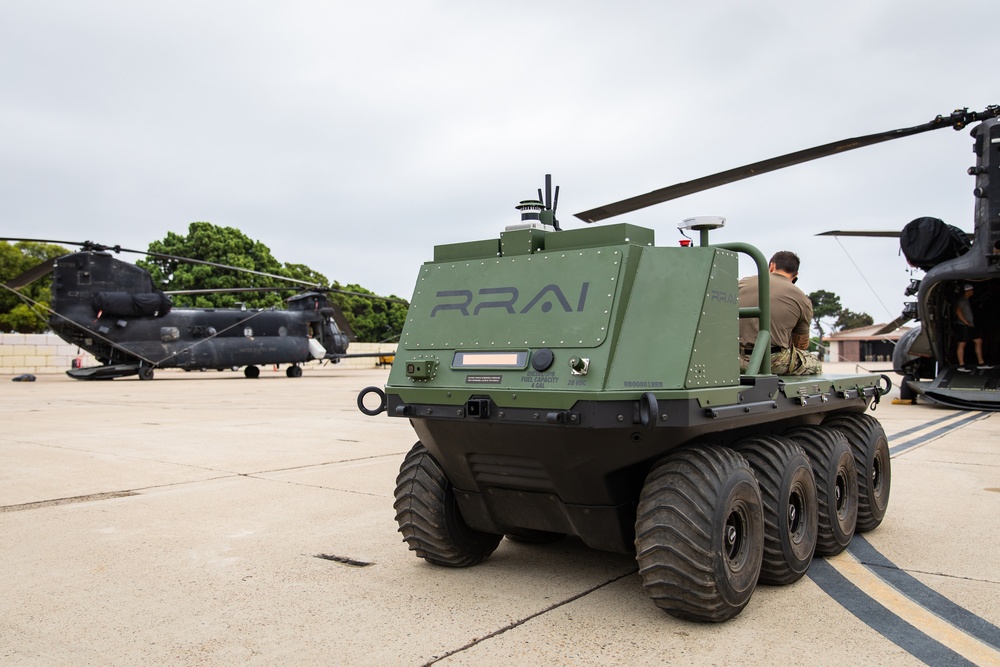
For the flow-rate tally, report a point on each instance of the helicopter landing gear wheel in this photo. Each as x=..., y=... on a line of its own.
x=429, y=518
x=251, y=372
x=145, y=372
x=871, y=456
x=293, y=371
x=836, y=485
x=699, y=533
x=788, y=492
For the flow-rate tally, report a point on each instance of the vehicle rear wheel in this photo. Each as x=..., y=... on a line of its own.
x=429, y=518
x=788, y=494
x=700, y=533
x=145, y=372
x=871, y=456
x=293, y=372
x=251, y=372
x=836, y=485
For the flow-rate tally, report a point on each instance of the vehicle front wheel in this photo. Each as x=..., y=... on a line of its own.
x=699, y=533
x=429, y=518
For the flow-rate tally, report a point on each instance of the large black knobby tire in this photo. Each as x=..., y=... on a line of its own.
x=699, y=533
x=788, y=493
x=871, y=456
x=428, y=515
x=836, y=485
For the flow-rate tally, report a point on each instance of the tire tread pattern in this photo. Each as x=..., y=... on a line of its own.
x=428, y=518
x=821, y=446
x=674, y=542
x=770, y=457
x=865, y=435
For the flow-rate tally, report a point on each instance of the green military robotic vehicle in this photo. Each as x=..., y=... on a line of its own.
x=587, y=382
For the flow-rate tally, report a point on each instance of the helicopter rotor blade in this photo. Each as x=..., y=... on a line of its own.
x=239, y=290
x=958, y=119
x=892, y=326
x=90, y=245
x=875, y=233
x=202, y=262
x=367, y=296
x=230, y=290
x=31, y=275
x=76, y=243
x=872, y=234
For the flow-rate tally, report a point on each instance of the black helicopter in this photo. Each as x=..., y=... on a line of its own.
x=926, y=354
x=113, y=310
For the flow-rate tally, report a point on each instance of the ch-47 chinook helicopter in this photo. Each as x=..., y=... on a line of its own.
x=925, y=355
x=112, y=309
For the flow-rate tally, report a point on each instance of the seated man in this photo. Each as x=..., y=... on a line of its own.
x=791, y=316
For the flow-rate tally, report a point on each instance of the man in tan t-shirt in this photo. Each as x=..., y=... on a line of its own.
x=791, y=316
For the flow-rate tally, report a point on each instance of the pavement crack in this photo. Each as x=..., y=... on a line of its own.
x=878, y=566
x=67, y=501
x=518, y=623
x=326, y=463
x=261, y=477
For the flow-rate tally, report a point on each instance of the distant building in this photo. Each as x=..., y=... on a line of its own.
x=862, y=344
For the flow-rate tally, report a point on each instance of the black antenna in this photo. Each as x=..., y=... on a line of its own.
x=547, y=205
x=555, y=203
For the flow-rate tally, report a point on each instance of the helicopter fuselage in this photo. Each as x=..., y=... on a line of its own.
x=927, y=356
x=111, y=309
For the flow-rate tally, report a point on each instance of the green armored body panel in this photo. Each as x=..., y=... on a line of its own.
x=587, y=382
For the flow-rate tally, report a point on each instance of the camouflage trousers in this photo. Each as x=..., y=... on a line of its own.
x=790, y=361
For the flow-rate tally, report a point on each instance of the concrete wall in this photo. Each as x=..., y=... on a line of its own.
x=47, y=353
x=38, y=353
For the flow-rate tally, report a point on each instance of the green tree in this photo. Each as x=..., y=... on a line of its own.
x=304, y=273
x=825, y=304
x=221, y=245
x=373, y=320
x=17, y=314
x=848, y=319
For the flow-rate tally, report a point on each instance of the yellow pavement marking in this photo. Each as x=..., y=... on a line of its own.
x=927, y=622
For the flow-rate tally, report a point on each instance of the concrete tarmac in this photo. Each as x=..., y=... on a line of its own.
x=207, y=519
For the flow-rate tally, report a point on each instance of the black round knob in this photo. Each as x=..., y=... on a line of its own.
x=541, y=359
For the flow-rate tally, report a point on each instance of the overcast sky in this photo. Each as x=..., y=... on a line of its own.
x=353, y=137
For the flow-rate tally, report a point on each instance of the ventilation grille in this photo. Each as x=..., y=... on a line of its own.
x=509, y=472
